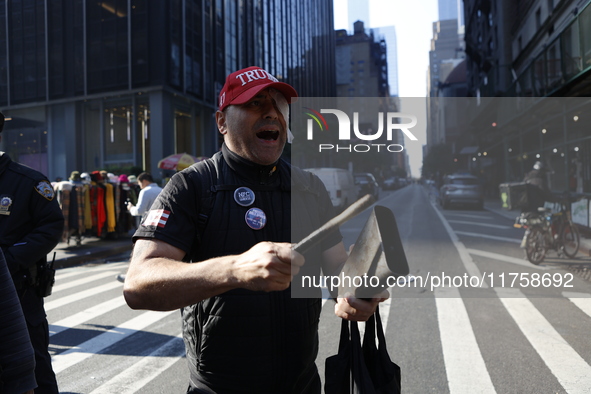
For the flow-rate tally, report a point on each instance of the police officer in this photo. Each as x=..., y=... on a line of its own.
x=17, y=358
x=31, y=224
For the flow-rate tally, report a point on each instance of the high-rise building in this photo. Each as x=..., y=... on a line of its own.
x=357, y=10
x=452, y=9
x=362, y=68
x=121, y=84
x=362, y=71
x=388, y=34
x=444, y=56
x=530, y=62
x=445, y=48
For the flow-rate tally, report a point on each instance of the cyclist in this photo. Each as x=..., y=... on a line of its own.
x=538, y=191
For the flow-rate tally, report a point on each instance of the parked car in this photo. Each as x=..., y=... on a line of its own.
x=367, y=185
x=340, y=185
x=461, y=189
x=390, y=183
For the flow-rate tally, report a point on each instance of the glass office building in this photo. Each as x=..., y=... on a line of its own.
x=120, y=84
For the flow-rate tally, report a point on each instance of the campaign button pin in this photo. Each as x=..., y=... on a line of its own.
x=255, y=218
x=244, y=196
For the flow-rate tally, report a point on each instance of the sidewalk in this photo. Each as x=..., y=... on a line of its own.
x=92, y=249
x=495, y=206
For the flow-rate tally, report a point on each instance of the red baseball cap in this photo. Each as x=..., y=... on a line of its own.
x=243, y=85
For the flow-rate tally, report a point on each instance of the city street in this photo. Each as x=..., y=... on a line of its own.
x=476, y=317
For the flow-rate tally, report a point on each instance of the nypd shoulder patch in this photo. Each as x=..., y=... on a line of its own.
x=44, y=188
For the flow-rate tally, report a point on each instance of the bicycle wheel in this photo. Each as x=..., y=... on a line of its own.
x=570, y=238
x=535, y=246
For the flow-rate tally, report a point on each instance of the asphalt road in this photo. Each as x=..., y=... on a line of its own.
x=499, y=324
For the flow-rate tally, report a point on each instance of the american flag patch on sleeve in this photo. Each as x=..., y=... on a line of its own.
x=156, y=217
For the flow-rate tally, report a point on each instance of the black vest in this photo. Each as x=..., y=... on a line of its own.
x=244, y=340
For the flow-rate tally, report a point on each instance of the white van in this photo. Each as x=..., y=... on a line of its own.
x=340, y=185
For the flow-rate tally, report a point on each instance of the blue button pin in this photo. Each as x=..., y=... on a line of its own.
x=255, y=218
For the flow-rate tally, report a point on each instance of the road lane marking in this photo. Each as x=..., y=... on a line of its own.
x=136, y=377
x=469, y=264
x=77, y=354
x=464, y=365
x=569, y=368
x=504, y=239
x=480, y=224
x=63, y=273
x=507, y=259
x=82, y=294
x=83, y=281
x=581, y=300
x=86, y=315
x=465, y=215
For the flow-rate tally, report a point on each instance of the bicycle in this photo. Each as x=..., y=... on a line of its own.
x=546, y=230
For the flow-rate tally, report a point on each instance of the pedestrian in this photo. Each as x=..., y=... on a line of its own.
x=31, y=224
x=148, y=193
x=17, y=357
x=231, y=216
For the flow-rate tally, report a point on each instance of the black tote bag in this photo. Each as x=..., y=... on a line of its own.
x=362, y=370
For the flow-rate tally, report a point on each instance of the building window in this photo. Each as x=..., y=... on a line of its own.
x=107, y=33
x=140, y=48
x=538, y=18
x=26, y=28
x=118, y=138
x=25, y=137
x=182, y=131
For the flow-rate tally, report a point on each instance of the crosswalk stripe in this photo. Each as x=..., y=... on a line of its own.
x=480, y=224
x=93, y=346
x=134, y=378
x=581, y=300
x=507, y=259
x=464, y=365
x=85, y=315
x=64, y=273
x=93, y=291
x=83, y=281
x=570, y=369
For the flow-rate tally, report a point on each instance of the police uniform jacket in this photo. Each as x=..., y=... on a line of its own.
x=31, y=224
x=245, y=341
x=17, y=358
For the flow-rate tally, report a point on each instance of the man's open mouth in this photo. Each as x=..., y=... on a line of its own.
x=268, y=135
